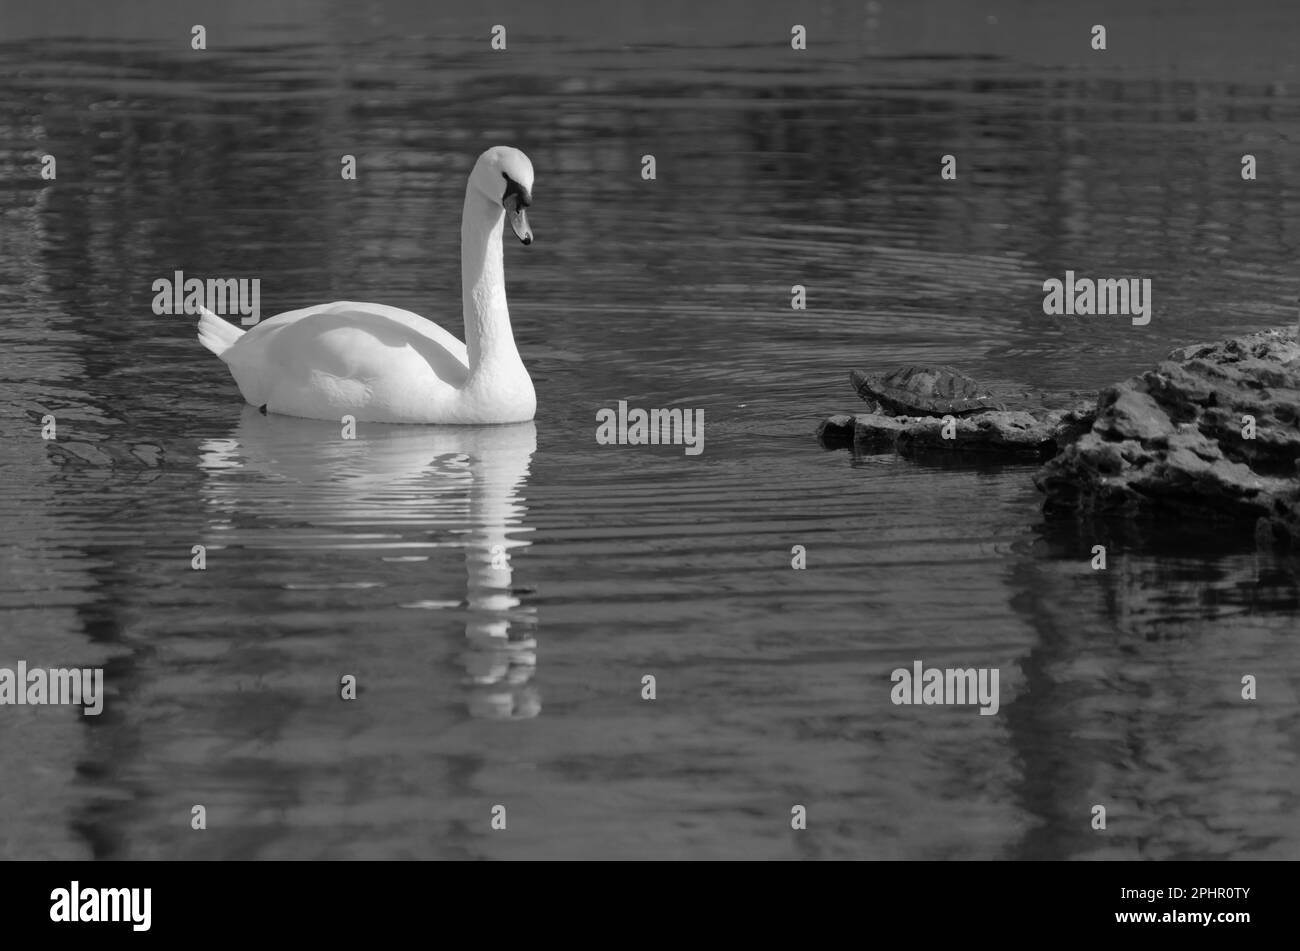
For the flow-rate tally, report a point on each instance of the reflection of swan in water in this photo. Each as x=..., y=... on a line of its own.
x=461, y=480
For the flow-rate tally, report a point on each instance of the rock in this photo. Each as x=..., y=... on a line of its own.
x=836, y=431
x=995, y=433
x=876, y=431
x=1072, y=423
x=1133, y=414
x=1177, y=439
x=1005, y=433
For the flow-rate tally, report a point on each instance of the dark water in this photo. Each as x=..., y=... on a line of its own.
x=521, y=686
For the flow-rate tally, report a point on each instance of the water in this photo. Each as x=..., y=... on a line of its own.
x=499, y=594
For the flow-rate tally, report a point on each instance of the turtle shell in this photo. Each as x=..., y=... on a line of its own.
x=923, y=389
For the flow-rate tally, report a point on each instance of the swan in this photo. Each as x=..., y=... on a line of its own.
x=387, y=365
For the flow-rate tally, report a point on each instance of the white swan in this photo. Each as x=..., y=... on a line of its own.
x=383, y=364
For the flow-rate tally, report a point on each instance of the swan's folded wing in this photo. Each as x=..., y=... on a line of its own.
x=353, y=340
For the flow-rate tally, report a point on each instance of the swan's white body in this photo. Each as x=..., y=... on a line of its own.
x=384, y=364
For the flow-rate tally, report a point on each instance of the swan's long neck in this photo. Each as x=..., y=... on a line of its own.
x=488, y=337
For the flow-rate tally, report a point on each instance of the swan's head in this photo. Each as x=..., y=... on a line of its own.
x=505, y=177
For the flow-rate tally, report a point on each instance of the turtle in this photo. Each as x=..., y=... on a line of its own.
x=923, y=389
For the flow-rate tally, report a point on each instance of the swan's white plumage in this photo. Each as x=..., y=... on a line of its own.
x=215, y=334
x=384, y=364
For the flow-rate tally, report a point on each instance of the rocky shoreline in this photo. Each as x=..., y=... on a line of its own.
x=1212, y=432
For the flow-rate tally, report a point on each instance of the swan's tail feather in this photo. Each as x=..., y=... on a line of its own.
x=216, y=334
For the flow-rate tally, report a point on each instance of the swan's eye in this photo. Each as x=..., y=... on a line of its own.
x=514, y=188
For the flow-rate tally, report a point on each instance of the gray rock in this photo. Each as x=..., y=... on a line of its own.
x=877, y=431
x=1174, y=439
x=836, y=430
x=1037, y=434
x=1001, y=432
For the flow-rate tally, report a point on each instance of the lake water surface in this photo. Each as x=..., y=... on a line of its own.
x=500, y=593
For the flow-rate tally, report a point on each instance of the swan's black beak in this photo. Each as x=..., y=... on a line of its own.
x=519, y=221
x=515, y=202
